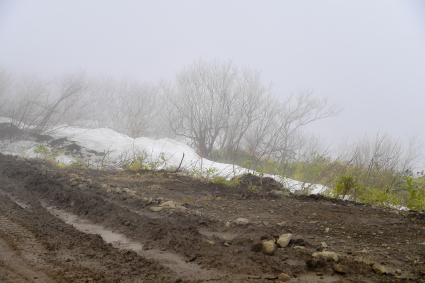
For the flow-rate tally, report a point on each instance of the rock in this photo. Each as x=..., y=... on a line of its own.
x=168, y=204
x=181, y=208
x=339, y=268
x=257, y=247
x=327, y=255
x=297, y=241
x=380, y=269
x=156, y=208
x=299, y=247
x=158, y=200
x=284, y=240
x=241, y=221
x=283, y=277
x=281, y=224
x=82, y=186
x=129, y=192
x=155, y=187
x=227, y=224
x=147, y=200
x=327, y=230
x=268, y=247
x=324, y=245
x=277, y=193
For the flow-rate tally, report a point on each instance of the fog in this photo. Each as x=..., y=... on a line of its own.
x=366, y=57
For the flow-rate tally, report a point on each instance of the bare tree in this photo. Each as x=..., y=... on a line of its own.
x=277, y=134
x=130, y=108
x=202, y=104
x=249, y=95
x=381, y=162
x=137, y=105
x=4, y=88
x=219, y=106
x=38, y=105
x=26, y=102
x=57, y=108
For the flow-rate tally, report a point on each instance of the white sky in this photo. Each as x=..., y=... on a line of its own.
x=365, y=56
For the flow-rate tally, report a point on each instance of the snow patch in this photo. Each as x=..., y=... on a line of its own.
x=170, y=151
x=115, y=149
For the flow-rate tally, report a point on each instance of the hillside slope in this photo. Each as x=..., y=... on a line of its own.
x=165, y=227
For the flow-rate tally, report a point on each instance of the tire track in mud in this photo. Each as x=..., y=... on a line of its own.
x=18, y=265
x=186, y=270
x=62, y=254
x=185, y=234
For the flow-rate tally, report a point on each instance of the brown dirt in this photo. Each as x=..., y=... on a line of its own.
x=69, y=225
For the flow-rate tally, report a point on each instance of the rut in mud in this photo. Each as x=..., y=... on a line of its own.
x=83, y=225
x=173, y=261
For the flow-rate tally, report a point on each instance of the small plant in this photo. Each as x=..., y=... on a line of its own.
x=210, y=172
x=253, y=189
x=135, y=165
x=138, y=163
x=415, y=195
x=344, y=186
x=378, y=196
x=79, y=164
x=61, y=165
x=43, y=151
x=157, y=164
x=222, y=181
x=47, y=153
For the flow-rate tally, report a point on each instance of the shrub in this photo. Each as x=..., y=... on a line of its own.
x=372, y=195
x=135, y=165
x=222, y=181
x=345, y=185
x=43, y=151
x=415, y=194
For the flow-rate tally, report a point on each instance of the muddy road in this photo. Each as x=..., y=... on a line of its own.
x=75, y=225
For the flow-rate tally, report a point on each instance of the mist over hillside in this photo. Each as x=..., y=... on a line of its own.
x=212, y=141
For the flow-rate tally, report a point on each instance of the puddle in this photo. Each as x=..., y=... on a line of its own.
x=175, y=262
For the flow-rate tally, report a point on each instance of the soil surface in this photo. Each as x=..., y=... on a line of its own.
x=79, y=225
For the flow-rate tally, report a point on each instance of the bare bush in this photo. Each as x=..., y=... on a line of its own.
x=129, y=108
x=217, y=106
x=56, y=108
x=202, y=104
x=4, y=88
x=37, y=105
x=25, y=104
x=277, y=134
x=249, y=95
x=137, y=108
x=381, y=161
x=213, y=106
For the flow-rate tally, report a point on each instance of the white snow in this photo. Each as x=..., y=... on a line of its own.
x=167, y=152
x=19, y=148
x=164, y=153
x=5, y=120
